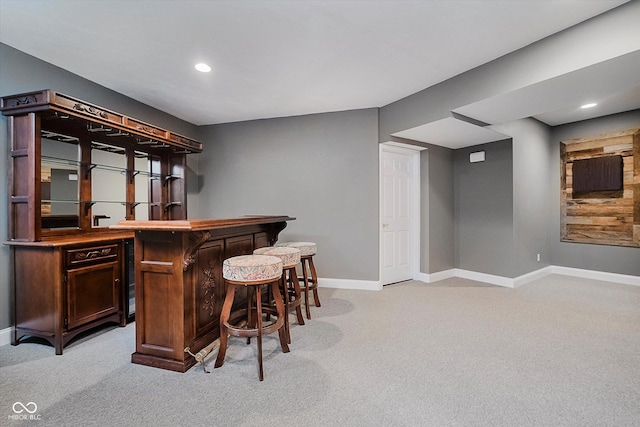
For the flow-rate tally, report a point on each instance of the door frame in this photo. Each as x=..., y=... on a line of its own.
x=414, y=221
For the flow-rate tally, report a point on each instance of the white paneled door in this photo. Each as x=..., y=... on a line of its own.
x=395, y=215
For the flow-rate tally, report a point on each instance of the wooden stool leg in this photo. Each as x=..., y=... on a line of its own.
x=305, y=275
x=259, y=326
x=314, y=278
x=284, y=284
x=298, y=293
x=280, y=312
x=269, y=299
x=251, y=322
x=224, y=317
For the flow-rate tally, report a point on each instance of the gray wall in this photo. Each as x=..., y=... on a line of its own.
x=23, y=73
x=507, y=209
x=532, y=171
x=484, y=209
x=615, y=259
x=437, y=210
x=534, y=185
x=321, y=169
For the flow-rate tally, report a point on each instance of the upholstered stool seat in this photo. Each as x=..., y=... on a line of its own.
x=289, y=256
x=290, y=285
x=252, y=271
x=306, y=248
x=251, y=268
x=310, y=281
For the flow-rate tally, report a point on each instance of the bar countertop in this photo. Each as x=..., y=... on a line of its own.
x=199, y=224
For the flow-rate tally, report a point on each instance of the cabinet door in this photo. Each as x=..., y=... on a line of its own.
x=261, y=240
x=239, y=245
x=92, y=292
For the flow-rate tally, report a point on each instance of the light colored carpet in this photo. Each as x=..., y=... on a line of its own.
x=560, y=351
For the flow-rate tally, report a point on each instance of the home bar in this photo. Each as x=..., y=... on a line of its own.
x=97, y=204
x=179, y=285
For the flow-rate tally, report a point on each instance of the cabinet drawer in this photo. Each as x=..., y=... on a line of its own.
x=96, y=254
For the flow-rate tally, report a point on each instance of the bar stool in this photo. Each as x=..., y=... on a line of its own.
x=290, y=286
x=307, y=251
x=251, y=271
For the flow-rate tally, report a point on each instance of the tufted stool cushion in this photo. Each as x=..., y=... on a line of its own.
x=252, y=268
x=306, y=248
x=289, y=256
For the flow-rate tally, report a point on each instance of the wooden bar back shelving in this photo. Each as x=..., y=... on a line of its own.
x=68, y=271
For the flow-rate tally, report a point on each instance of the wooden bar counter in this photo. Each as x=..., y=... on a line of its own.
x=179, y=286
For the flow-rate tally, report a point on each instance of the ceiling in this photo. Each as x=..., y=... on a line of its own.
x=614, y=83
x=284, y=58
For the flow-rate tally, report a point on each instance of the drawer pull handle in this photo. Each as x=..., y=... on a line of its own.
x=92, y=254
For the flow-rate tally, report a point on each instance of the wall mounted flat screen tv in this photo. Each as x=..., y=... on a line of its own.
x=597, y=174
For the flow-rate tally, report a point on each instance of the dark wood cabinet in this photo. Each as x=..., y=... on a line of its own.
x=66, y=286
x=74, y=169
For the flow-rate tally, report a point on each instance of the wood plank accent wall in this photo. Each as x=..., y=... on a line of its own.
x=602, y=217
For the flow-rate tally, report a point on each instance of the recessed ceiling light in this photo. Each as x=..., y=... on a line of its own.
x=202, y=67
x=589, y=105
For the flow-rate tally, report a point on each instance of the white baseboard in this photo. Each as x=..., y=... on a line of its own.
x=434, y=277
x=486, y=278
x=465, y=274
x=5, y=336
x=529, y=277
x=625, y=279
x=363, y=285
